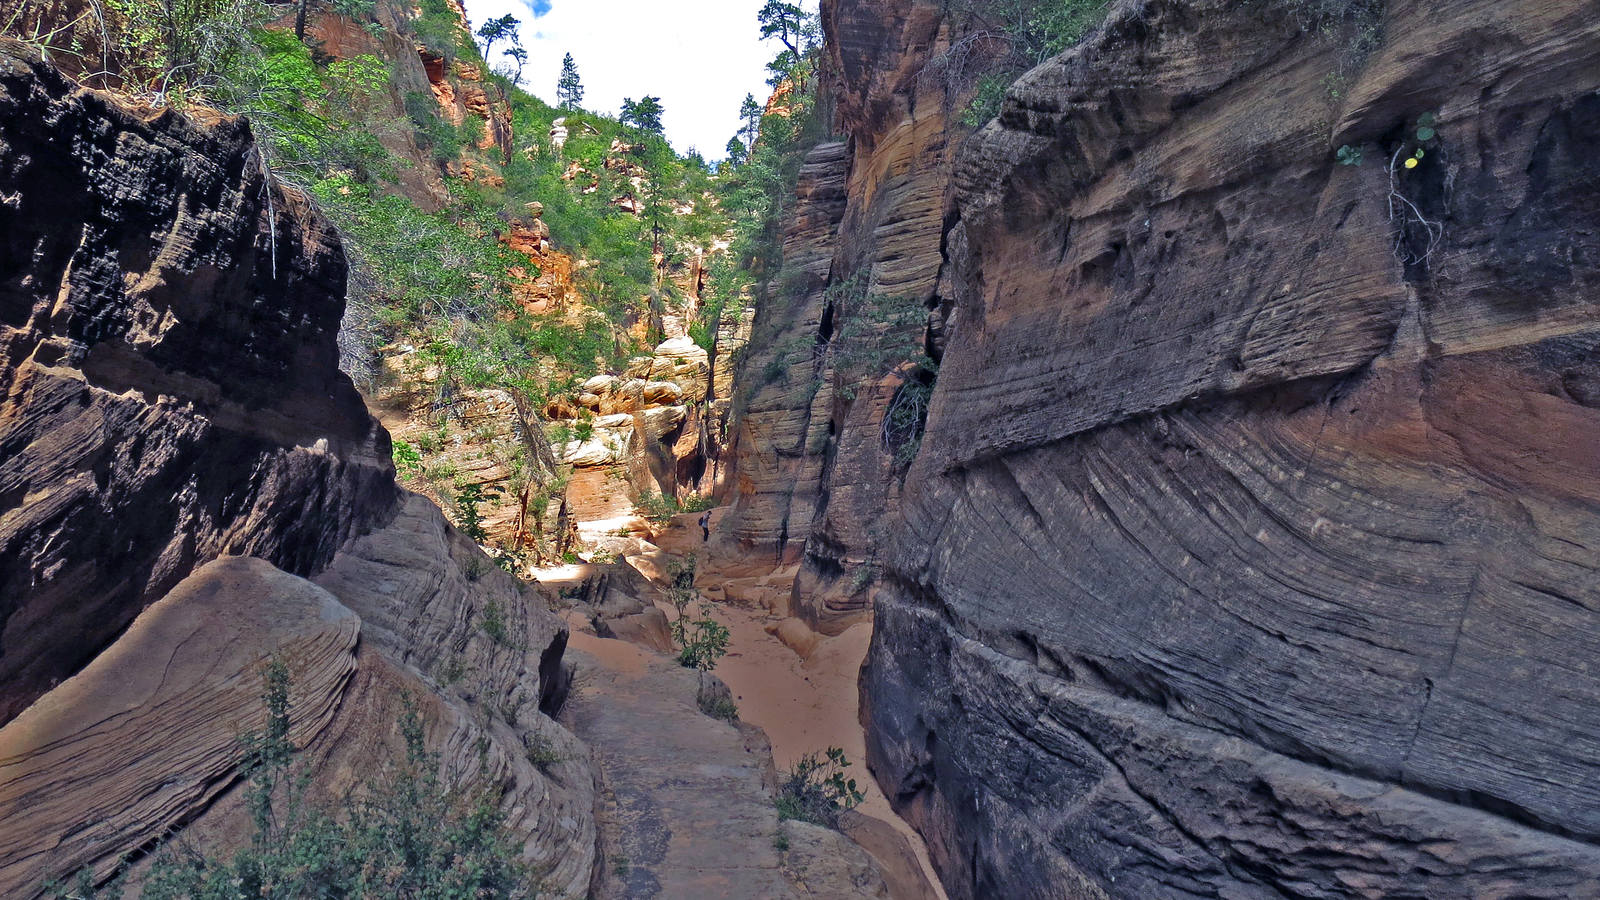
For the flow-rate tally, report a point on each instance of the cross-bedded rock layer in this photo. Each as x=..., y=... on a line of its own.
x=816, y=482
x=1251, y=549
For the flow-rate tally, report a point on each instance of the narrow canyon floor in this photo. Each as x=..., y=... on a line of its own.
x=686, y=805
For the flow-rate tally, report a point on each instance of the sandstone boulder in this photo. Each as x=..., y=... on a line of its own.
x=149, y=732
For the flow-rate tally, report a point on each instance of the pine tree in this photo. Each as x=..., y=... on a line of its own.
x=569, y=90
x=784, y=21
x=520, y=57
x=750, y=111
x=644, y=115
x=495, y=30
x=736, y=151
x=797, y=30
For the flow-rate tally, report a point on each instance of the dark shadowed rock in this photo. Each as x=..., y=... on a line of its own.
x=168, y=319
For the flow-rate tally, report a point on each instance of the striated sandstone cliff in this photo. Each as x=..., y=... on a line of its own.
x=179, y=451
x=168, y=323
x=816, y=483
x=1251, y=549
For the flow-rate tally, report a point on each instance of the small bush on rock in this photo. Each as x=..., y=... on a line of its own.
x=817, y=790
x=406, y=832
x=701, y=642
x=718, y=707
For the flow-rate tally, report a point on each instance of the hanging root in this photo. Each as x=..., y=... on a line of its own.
x=1403, y=213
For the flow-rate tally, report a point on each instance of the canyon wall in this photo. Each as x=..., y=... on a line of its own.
x=190, y=488
x=815, y=481
x=170, y=320
x=1251, y=547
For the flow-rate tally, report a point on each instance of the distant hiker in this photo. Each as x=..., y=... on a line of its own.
x=705, y=528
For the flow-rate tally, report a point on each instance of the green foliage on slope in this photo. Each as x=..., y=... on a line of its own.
x=616, y=196
x=405, y=832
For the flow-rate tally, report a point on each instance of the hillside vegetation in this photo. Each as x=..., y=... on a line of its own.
x=414, y=135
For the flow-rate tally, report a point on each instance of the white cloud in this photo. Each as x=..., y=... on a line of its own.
x=700, y=58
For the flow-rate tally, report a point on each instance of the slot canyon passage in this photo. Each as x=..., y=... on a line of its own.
x=1058, y=449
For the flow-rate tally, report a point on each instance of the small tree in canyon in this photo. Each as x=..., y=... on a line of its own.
x=406, y=832
x=569, y=88
x=496, y=30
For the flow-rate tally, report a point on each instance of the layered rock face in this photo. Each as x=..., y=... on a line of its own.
x=168, y=323
x=816, y=482
x=779, y=432
x=179, y=457
x=1251, y=548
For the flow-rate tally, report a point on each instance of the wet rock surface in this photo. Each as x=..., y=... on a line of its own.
x=1249, y=551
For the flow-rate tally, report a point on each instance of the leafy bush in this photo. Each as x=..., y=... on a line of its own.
x=701, y=642
x=439, y=29
x=405, y=832
x=1001, y=40
x=468, y=497
x=407, y=461
x=174, y=50
x=681, y=571
x=876, y=332
x=817, y=789
x=907, y=418
x=542, y=751
x=494, y=624
x=659, y=508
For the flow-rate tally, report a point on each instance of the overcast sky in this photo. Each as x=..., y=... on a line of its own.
x=699, y=57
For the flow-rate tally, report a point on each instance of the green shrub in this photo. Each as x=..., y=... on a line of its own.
x=493, y=624
x=1003, y=39
x=469, y=496
x=907, y=418
x=681, y=571
x=541, y=751
x=407, y=460
x=719, y=708
x=817, y=789
x=405, y=832
x=658, y=508
x=701, y=642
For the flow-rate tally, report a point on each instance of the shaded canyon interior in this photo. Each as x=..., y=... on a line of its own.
x=1244, y=540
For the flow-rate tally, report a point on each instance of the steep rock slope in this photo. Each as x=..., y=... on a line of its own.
x=179, y=451
x=779, y=433
x=816, y=482
x=1251, y=550
x=168, y=325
